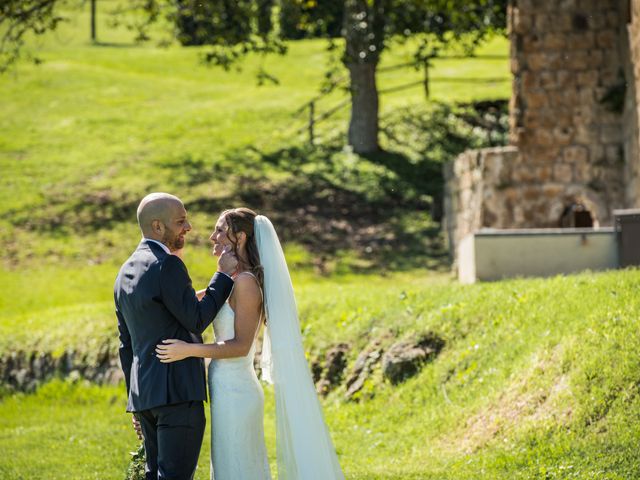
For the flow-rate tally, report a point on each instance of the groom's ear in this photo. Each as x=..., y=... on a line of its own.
x=157, y=226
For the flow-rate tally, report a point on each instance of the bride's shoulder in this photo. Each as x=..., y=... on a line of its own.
x=246, y=284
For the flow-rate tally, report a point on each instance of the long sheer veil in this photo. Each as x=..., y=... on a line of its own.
x=304, y=447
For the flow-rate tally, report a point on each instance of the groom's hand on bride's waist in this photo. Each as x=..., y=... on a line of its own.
x=227, y=263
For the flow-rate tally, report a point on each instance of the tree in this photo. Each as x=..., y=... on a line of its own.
x=19, y=18
x=234, y=28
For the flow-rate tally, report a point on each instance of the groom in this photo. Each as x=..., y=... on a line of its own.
x=155, y=301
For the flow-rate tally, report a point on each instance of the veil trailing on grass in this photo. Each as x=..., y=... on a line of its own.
x=304, y=447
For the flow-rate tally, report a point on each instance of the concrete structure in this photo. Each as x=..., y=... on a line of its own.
x=498, y=254
x=575, y=153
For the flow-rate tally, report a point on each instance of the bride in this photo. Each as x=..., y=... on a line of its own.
x=262, y=294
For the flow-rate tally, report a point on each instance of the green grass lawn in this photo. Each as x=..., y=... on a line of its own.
x=538, y=379
x=88, y=132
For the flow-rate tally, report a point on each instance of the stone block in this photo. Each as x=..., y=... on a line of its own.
x=465, y=182
x=540, y=61
x=597, y=20
x=609, y=76
x=537, y=155
x=542, y=22
x=563, y=173
x=529, y=81
x=565, y=78
x=613, y=19
x=530, y=193
x=577, y=60
x=561, y=22
x=552, y=190
x=596, y=153
x=575, y=154
x=567, y=97
x=595, y=7
x=613, y=154
x=606, y=39
x=555, y=41
x=563, y=135
x=595, y=59
x=544, y=137
x=587, y=78
x=514, y=65
x=611, y=133
x=548, y=80
x=524, y=174
x=582, y=172
x=544, y=173
x=586, y=97
x=586, y=133
x=522, y=22
x=531, y=43
x=566, y=4
x=536, y=100
x=581, y=41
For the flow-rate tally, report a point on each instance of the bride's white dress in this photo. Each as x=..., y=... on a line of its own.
x=238, y=449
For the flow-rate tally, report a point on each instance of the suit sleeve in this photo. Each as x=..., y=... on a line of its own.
x=125, y=350
x=180, y=298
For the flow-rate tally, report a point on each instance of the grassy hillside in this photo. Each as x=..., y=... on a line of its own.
x=88, y=132
x=538, y=379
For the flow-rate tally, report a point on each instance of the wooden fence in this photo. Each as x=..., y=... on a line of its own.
x=311, y=106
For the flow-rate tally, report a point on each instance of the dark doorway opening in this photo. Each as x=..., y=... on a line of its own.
x=576, y=215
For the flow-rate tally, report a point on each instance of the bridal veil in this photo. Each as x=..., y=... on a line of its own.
x=304, y=448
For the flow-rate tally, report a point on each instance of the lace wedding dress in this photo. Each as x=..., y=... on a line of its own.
x=237, y=412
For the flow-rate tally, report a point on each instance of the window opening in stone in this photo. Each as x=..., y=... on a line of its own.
x=576, y=215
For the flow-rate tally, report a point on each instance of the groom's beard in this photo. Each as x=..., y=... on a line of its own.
x=172, y=241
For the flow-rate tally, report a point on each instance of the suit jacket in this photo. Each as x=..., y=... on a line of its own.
x=155, y=301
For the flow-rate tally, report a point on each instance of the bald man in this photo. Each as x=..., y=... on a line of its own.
x=155, y=301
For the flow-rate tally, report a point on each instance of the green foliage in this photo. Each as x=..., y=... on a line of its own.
x=18, y=19
x=136, y=468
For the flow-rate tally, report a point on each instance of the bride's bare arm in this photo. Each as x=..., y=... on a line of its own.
x=200, y=293
x=247, y=321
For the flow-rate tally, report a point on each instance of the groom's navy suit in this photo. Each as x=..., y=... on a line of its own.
x=155, y=301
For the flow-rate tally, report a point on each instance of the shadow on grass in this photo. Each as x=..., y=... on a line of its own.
x=364, y=212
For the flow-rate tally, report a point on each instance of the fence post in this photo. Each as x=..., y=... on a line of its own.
x=311, y=121
x=426, y=78
x=93, y=20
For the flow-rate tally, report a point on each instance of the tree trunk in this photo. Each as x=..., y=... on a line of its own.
x=363, y=31
x=363, y=125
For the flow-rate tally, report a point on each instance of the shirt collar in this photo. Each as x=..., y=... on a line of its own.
x=164, y=247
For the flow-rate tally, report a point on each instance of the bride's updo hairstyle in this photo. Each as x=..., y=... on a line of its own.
x=241, y=220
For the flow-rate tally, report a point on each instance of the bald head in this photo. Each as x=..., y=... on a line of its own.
x=157, y=207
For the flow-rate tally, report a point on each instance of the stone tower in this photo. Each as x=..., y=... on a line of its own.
x=573, y=123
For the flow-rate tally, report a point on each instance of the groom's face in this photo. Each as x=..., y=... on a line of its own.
x=176, y=227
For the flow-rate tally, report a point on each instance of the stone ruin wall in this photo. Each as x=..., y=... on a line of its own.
x=573, y=121
x=566, y=62
x=631, y=52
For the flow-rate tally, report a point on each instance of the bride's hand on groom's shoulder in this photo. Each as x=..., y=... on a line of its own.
x=172, y=350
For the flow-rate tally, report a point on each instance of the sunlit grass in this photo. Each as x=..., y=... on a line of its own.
x=538, y=379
